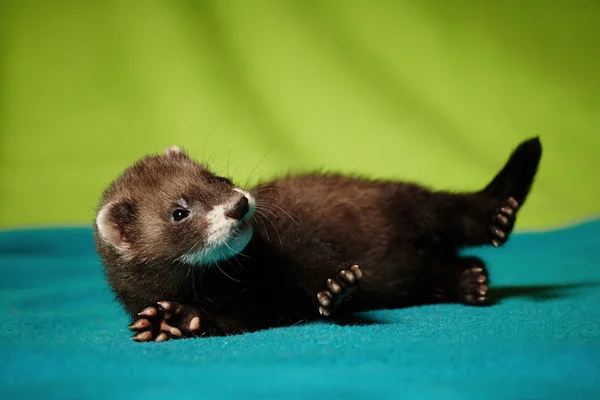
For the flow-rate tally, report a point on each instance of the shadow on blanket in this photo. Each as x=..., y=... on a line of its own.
x=497, y=295
x=536, y=292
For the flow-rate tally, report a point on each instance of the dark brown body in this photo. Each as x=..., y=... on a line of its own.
x=406, y=239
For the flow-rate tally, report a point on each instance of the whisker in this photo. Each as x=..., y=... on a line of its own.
x=224, y=273
x=265, y=188
x=261, y=189
x=285, y=212
x=229, y=161
x=263, y=224
x=277, y=214
x=269, y=211
x=275, y=208
x=205, y=144
x=230, y=262
x=256, y=166
x=272, y=224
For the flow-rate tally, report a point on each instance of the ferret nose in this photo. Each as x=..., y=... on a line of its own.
x=239, y=210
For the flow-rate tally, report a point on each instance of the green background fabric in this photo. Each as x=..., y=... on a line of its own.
x=433, y=91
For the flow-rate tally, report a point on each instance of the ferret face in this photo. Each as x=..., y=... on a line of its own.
x=170, y=208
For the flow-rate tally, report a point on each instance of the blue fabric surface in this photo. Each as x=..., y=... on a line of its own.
x=62, y=335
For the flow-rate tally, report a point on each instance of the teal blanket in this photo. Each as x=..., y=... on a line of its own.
x=62, y=335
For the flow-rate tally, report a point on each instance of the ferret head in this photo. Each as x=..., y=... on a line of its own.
x=170, y=208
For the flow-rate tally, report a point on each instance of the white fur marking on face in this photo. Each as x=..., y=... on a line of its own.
x=172, y=150
x=220, y=242
x=219, y=225
x=227, y=249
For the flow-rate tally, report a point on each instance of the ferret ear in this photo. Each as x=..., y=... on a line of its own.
x=175, y=151
x=115, y=224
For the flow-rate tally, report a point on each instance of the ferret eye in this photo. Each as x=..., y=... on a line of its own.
x=180, y=214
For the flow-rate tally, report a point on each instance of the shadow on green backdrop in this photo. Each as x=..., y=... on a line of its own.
x=438, y=92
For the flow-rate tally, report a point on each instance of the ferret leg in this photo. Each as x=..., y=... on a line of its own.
x=474, y=219
x=465, y=281
x=487, y=217
x=166, y=320
x=339, y=288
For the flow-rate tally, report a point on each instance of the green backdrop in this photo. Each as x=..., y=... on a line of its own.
x=437, y=91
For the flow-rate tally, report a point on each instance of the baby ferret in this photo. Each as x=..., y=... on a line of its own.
x=188, y=253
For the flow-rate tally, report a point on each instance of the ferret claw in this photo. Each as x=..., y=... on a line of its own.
x=139, y=324
x=356, y=271
x=324, y=298
x=170, y=306
x=167, y=328
x=161, y=338
x=148, y=312
x=340, y=289
x=195, y=324
x=347, y=276
x=499, y=233
x=507, y=211
x=324, y=311
x=482, y=289
x=502, y=219
x=334, y=286
x=142, y=337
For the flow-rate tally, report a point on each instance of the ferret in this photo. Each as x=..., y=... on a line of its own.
x=188, y=253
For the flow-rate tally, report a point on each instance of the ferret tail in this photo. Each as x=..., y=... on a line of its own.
x=517, y=176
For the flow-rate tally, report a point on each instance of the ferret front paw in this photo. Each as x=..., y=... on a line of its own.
x=473, y=286
x=167, y=320
x=503, y=222
x=339, y=289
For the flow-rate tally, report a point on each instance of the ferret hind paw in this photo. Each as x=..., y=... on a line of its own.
x=339, y=289
x=164, y=321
